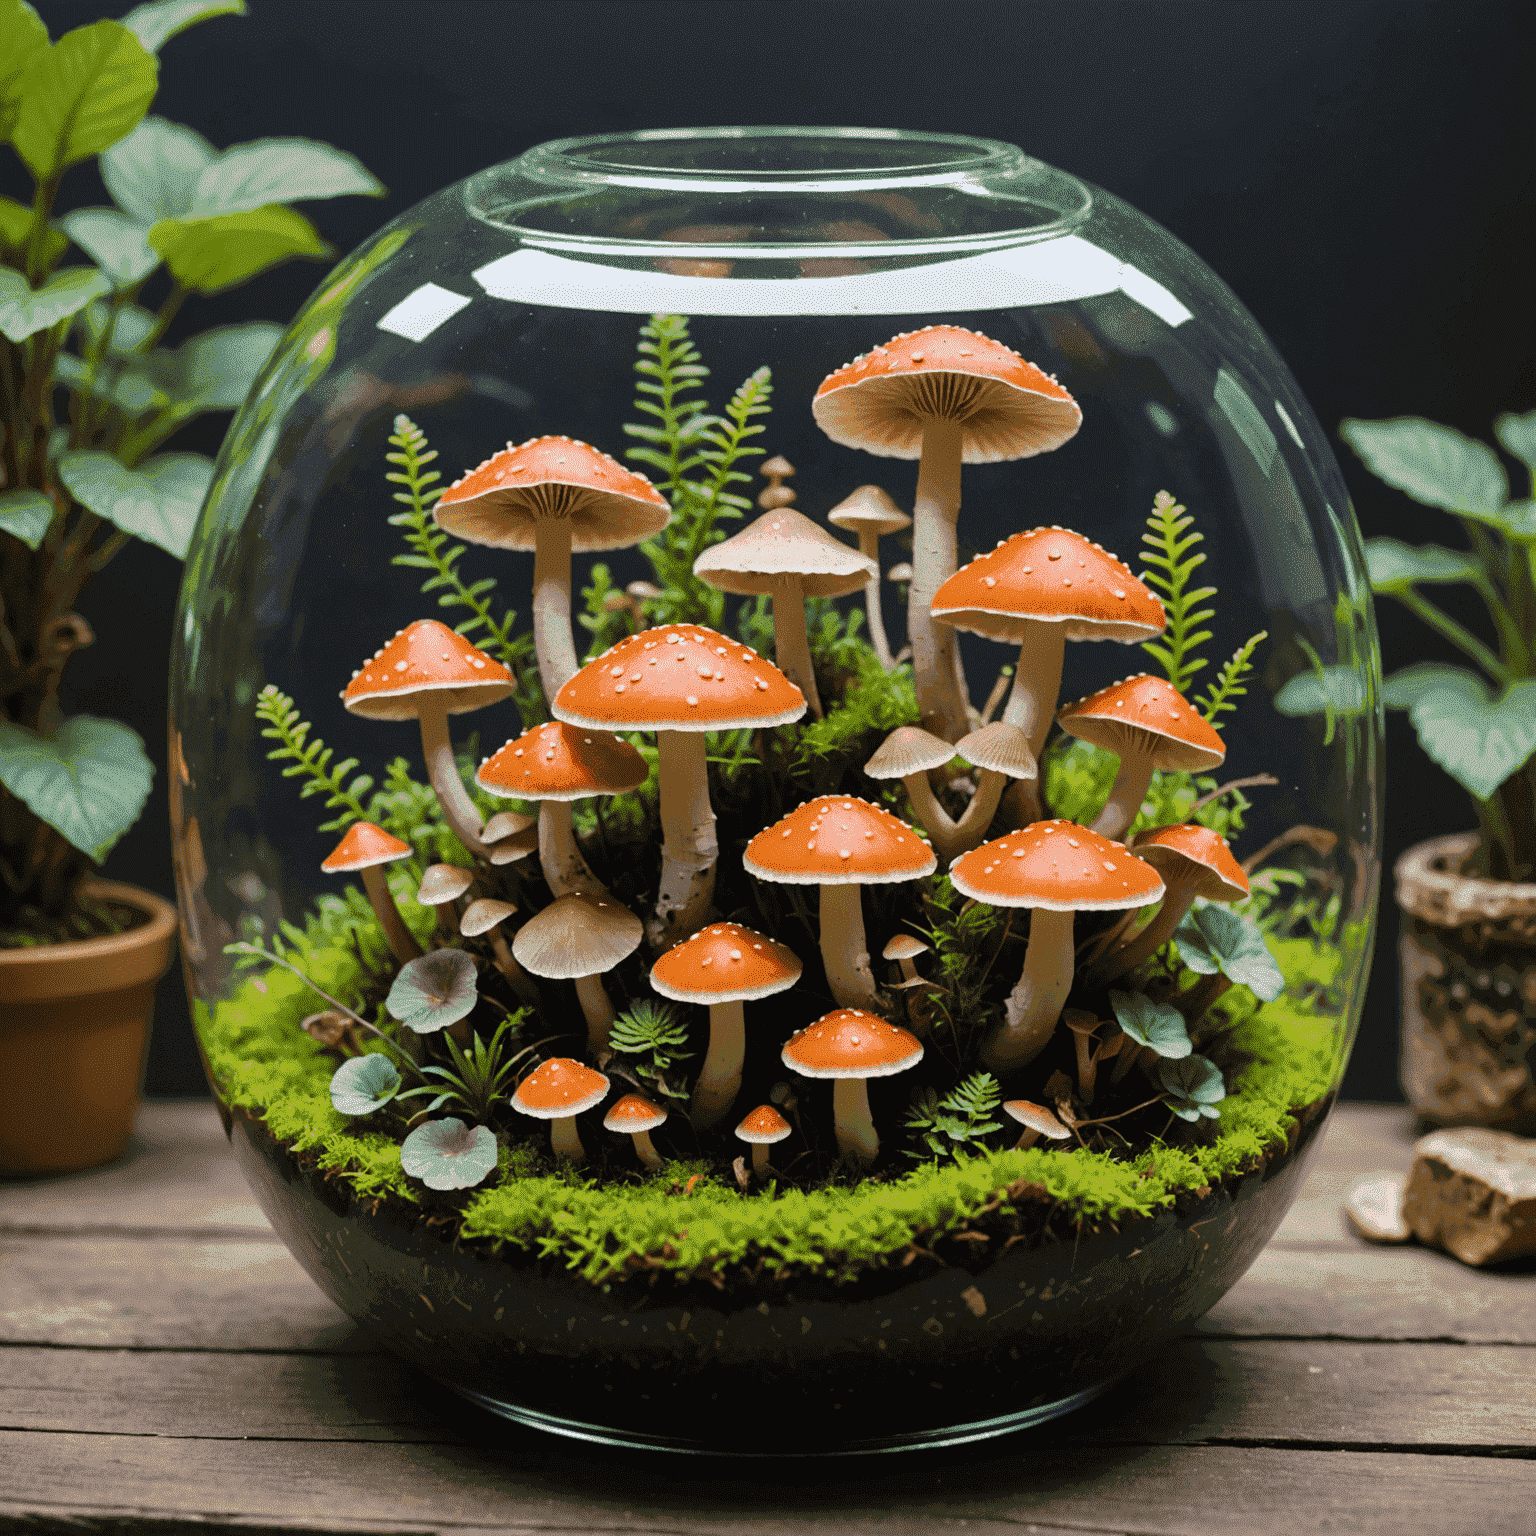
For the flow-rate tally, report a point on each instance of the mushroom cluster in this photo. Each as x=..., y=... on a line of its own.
x=972, y=788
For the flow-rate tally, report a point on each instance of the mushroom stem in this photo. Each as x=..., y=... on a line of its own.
x=401, y=943
x=844, y=952
x=689, y=848
x=935, y=820
x=1177, y=900
x=501, y=955
x=552, y=641
x=971, y=829
x=1036, y=682
x=869, y=547
x=934, y=554
x=1035, y=1003
x=443, y=772
x=1126, y=795
x=597, y=1008
x=999, y=689
x=563, y=1140
x=720, y=1077
x=791, y=644
x=850, y=1112
x=760, y=1160
x=559, y=856
x=647, y=1153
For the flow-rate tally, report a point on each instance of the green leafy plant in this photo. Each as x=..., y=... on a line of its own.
x=433, y=991
x=1194, y=1087
x=960, y=1119
x=656, y=1038
x=1152, y=1025
x=1479, y=722
x=89, y=395
x=448, y=1154
x=1214, y=940
x=477, y=1077
x=362, y=1084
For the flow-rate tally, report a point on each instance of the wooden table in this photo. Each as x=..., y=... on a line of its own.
x=164, y=1364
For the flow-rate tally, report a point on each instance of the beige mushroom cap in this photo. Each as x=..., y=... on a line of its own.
x=869, y=509
x=784, y=543
x=577, y=936
x=904, y=946
x=907, y=750
x=1000, y=747
x=483, y=915
x=443, y=882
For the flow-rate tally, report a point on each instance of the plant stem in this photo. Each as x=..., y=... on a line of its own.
x=42, y=206
x=1443, y=624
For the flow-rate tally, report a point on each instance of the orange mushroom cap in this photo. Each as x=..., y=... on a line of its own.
x=1166, y=848
x=1037, y=1117
x=558, y=1088
x=1049, y=576
x=364, y=846
x=556, y=761
x=725, y=963
x=851, y=1043
x=678, y=677
x=425, y=657
x=838, y=840
x=764, y=1126
x=632, y=1114
x=1185, y=740
x=1057, y=865
x=500, y=501
x=1008, y=408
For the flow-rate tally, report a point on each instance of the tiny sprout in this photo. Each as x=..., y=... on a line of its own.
x=448, y=1154
x=363, y=1084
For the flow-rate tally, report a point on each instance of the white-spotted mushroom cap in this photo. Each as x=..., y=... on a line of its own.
x=764, y=1126
x=1193, y=850
x=576, y=936
x=725, y=963
x=1007, y=408
x=483, y=915
x=633, y=1114
x=1037, y=1118
x=851, y=1043
x=363, y=846
x=1057, y=865
x=678, y=677
x=1049, y=576
x=556, y=761
x=1000, y=748
x=559, y=1088
x=869, y=510
x=905, y=946
x=783, y=543
x=838, y=840
x=1146, y=712
x=425, y=657
x=907, y=750
x=501, y=501
x=443, y=882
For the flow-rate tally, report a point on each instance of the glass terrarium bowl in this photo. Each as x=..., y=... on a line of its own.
x=923, y=1279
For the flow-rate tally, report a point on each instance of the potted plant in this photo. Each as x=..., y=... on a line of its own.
x=91, y=397
x=1468, y=901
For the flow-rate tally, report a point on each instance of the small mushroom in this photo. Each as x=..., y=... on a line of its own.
x=1000, y=753
x=1084, y=1026
x=762, y=1129
x=776, y=494
x=636, y=1116
x=904, y=950
x=365, y=849
x=442, y=885
x=485, y=917
x=910, y=754
x=558, y=1091
x=870, y=513
x=1037, y=1121
x=577, y=938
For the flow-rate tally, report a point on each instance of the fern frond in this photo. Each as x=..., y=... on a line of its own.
x=962, y=1115
x=282, y=723
x=1228, y=687
x=1172, y=556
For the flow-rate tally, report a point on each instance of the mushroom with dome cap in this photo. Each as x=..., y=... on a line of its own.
x=557, y=764
x=870, y=513
x=577, y=938
x=681, y=681
x=840, y=843
x=366, y=849
x=851, y=1046
x=904, y=950
x=1147, y=723
x=1001, y=755
x=426, y=673
x=790, y=558
x=1037, y=1121
x=944, y=396
x=1193, y=861
x=636, y=1116
x=764, y=1127
x=1055, y=868
x=778, y=469
x=723, y=965
x=910, y=754
x=558, y=1091
x=484, y=917
x=553, y=495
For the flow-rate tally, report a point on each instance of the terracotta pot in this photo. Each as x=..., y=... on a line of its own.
x=1468, y=951
x=74, y=1019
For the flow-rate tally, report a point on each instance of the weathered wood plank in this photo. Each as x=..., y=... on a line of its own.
x=1335, y=1394
x=518, y=1482
x=1359, y=1139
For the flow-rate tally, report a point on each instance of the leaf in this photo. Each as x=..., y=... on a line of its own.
x=131, y=391
x=25, y=514
x=151, y=174
x=1433, y=464
x=156, y=22
x=1518, y=436
x=134, y=323
x=1403, y=689
x=1477, y=740
x=1214, y=938
x=16, y=230
x=1394, y=566
x=433, y=991
x=1341, y=689
x=362, y=1084
x=114, y=242
x=24, y=311
x=214, y=371
x=23, y=38
x=1195, y=1085
x=447, y=1154
x=81, y=96
x=279, y=171
x=158, y=502
x=89, y=781
x=1158, y=1026
x=215, y=253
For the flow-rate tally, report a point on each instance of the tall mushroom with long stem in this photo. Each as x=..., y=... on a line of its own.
x=1000, y=754
x=869, y=513
x=365, y=850
x=944, y=396
x=483, y=918
x=555, y=496
x=426, y=673
x=723, y=966
x=681, y=681
x=558, y=764
x=841, y=844
x=910, y=754
x=1055, y=868
x=790, y=558
x=577, y=938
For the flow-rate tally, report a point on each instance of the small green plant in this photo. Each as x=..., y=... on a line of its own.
x=477, y=1078
x=960, y=1119
x=652, y=1039
x=448, y=1154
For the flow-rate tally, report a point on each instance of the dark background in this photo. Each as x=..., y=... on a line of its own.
x=1359, y=171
